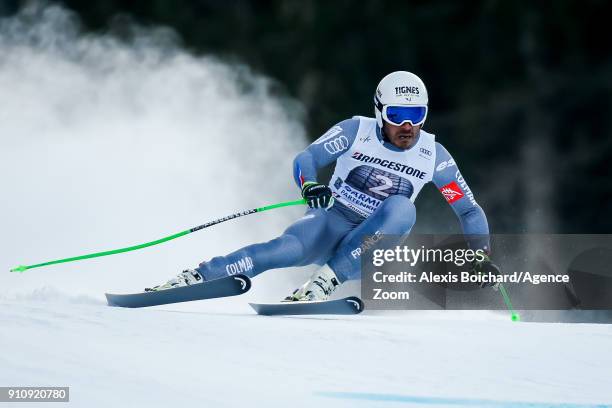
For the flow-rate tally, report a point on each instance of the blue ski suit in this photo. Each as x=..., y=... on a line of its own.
x=374, y=185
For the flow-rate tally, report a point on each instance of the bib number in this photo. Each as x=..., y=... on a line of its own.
x=378, y=183
x=387, y=183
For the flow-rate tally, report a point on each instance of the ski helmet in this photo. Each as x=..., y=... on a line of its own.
x=401, y=97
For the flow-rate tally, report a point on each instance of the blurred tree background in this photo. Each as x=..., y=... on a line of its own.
x=520, y=91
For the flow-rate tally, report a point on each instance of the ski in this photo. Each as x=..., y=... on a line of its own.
x=346, y=306
x=229, y=286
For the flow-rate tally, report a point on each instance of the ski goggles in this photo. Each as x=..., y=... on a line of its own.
x=399, y=114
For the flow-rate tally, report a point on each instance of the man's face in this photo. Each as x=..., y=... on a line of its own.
x=403, y=136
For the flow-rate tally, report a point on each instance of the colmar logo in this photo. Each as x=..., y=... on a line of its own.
x=464, y=186
x=243, y=265
x=451, y=192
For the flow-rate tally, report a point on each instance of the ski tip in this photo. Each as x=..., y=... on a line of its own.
x=257, y=308
x=110, y=300
x=356, y=303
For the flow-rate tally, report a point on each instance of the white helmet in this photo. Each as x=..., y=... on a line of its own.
x=401, y=88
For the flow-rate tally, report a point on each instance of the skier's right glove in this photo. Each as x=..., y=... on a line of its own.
x=317, y=195
x=483, y=267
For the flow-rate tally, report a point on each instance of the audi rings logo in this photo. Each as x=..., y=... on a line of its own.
x=336, y=145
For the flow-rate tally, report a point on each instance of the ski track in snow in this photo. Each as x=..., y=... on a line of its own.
x=168, y=355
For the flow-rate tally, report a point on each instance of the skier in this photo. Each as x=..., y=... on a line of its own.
x=381, y=165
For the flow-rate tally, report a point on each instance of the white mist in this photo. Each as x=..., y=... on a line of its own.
x=106, y=144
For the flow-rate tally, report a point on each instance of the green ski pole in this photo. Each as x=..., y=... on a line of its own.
x=23, y=268
x=513, y=315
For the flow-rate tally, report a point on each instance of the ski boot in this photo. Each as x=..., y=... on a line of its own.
x=186, y=278
x=319, y=287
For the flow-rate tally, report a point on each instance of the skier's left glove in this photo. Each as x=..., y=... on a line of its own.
x=317, y=195
x=484, y=267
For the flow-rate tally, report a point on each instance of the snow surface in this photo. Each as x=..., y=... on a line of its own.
x=223, y=355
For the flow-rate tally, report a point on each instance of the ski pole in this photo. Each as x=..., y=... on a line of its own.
x=513, y=315
x=22, y=268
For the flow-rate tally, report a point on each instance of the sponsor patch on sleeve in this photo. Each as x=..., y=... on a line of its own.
x=451, y=192
x=443, y=165
x=336, y=130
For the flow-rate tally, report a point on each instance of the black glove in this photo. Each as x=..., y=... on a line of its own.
x=317, y=195
x=484, y=267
